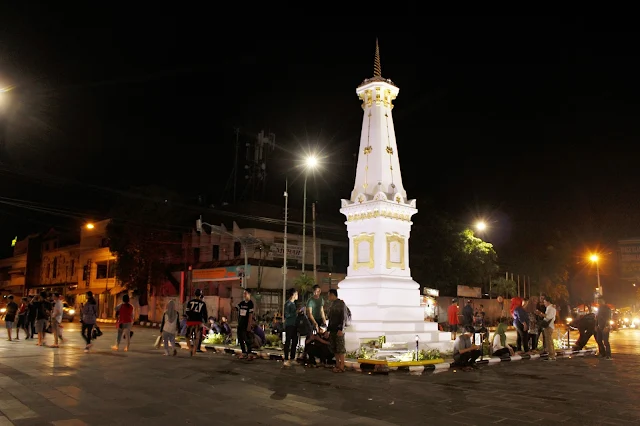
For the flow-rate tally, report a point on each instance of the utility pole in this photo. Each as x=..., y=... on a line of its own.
x=235, y=165
x=284, y=239
x=313, y=220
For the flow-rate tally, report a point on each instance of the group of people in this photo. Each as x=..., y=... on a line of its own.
x=36, y=315
x=324, y=334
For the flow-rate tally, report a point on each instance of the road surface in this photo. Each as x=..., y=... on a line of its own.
x=66, y=387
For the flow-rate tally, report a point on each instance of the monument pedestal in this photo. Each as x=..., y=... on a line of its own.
x=389, y=306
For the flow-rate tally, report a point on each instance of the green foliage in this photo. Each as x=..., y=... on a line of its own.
x=214, y=339
x=273, y=340
x=504, y=287
x=143, y=237
x=304, y=283
x=445, y=255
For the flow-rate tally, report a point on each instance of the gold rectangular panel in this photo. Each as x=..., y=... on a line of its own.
x=360, y=257
x=395, y=251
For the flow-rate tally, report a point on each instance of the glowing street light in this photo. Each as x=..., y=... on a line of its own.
x=481, y=226
x=311, y=162
x=90, y=226
x=595, y=259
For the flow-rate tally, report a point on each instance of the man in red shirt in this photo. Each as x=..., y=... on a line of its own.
x=125, y=322
x=452, y=314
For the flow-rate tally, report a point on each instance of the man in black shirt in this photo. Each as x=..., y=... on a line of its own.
x=197, y=316
x=245, y=325
x=10, y=316
x=603, y=327
x=337, y=321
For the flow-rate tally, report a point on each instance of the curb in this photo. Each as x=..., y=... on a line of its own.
x=354, y=365
x=141, y=324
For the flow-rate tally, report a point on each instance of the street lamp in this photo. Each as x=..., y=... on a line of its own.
x=481, y=226
x=595, y=259
x=311, y=162
x=90, y=226
x=244, y=240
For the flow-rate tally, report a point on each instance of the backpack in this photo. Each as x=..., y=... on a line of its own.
x=347, y=316
x=303, y=325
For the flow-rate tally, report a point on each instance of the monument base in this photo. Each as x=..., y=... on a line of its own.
x=389, y=306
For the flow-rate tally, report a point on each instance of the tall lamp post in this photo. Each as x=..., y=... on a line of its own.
x=244, y=241
x=309, y=165
x=595, y=259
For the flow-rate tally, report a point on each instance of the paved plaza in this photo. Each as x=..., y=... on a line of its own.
x=66, y=387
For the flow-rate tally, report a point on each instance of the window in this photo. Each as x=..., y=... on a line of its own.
x=196, y=255
x=47, y=272
x=85, y=272
x=215, y=252
x=101, y=271
x=55, y=267
x=237, y=249
x=72, y=269
x=324, y=255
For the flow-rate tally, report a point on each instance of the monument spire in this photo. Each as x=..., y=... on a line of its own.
x=377, y=68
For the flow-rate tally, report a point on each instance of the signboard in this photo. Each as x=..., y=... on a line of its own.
x=220, y=274
x=466, y=291
x=629, y=258
x=431, y=292
x=293, y=251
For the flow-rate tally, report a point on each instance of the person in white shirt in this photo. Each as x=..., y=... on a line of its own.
x=549, y=322
x=499, y=346
x=56, y=318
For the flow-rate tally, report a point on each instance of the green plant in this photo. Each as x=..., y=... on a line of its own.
x=273, y=340
x=429, y=354
x=351, y=355
x=214, y=339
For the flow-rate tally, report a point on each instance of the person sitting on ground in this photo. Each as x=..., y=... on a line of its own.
x=317, y=346
x=499, y=346
x=465, y=353
x=225, y=329
x=214, y=327
x=259, y=332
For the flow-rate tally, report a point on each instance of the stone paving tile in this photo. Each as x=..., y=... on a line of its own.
x=142, y=387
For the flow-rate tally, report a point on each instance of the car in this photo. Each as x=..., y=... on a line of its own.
x=68, y=312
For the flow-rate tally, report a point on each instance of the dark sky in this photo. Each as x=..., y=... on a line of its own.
x=531, y=122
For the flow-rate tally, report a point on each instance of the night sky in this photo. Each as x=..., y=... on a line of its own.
x=529, y=122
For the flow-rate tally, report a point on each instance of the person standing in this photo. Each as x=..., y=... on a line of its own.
x=197, y=317
x=56, y=319
x=603, y=327
x=43, y=310
x=89, y=314
x=521, y=323
x=10, y=316
x=452, y=316
x=169, y=327
x=548, y=327
x=124, y=324
x=315, y=309
x=31, y=318
x=22, y=319
x=467, y=314
x=337, y=321
x=245, y=325
x=290, y=329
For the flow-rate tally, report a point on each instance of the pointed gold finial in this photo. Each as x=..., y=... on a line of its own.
x=377, y=69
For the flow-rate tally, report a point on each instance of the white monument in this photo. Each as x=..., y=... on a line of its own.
x=378, y=288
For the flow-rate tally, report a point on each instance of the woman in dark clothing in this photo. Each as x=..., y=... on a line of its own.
x=290, y=328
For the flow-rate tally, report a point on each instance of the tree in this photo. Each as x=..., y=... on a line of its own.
x=503, y=287
x=444, y=254
x=144, y=238
x=304, y=283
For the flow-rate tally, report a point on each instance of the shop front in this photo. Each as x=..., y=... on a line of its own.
x=429, y=303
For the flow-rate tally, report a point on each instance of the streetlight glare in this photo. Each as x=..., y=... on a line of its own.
x=481, y=226
x=593, y=258
x=90, y=226
x=312, y=161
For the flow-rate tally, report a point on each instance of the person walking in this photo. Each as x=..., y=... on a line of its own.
x=452, y=316
x=169, y=327
x=290, y=329
x=245, y=325
x=56, y=319
x=125, y=322
x=22, y=319
x=10, y=316
x=89, y=315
